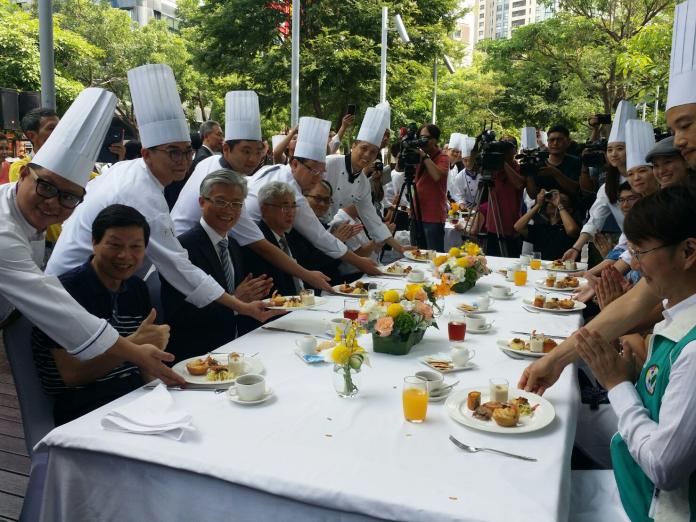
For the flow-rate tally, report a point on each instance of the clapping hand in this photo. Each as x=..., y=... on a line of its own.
x=610, y=286
x=608, y=366
x=253, y=288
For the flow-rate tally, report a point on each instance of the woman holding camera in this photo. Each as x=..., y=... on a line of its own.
x=554, y=228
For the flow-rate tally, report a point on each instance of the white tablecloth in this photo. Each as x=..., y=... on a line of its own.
x=308, y=451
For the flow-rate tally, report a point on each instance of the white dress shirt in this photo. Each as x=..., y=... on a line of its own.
x=665, y=451
x=358, y=193
x=600, y=210
x=306, y=221
x=187, y=212
x=131, y=183
x=39, y=296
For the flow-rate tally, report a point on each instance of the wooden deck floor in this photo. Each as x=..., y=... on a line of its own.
x=14, y=462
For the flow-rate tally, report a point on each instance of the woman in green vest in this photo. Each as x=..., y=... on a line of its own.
x=654, y=452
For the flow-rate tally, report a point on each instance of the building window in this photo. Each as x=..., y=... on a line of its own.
x=157, y=15
x=520, y=3
x=517, y=23
x=521, y=12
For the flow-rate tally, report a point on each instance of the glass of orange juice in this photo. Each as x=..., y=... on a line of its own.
x=521, y=276
x=415, y=397
x=535, y=263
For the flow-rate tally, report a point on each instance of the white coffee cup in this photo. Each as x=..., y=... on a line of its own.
x=417, y=276
x=461, y=355
x=307, y=344
x=510, y=276
x=250, y=387
x=475, y=322
x=483, y=302
x=500, y=291
x=434, y=380
x=339, y=322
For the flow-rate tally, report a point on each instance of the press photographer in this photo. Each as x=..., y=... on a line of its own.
x=562, y=170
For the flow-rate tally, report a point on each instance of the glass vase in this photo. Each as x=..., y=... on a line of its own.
x=346, y=380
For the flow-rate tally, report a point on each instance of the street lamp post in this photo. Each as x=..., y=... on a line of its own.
x=295, y=70
x=401, y=28
x=48, y=79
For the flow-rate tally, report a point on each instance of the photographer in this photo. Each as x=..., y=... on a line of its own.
x=431, y=189
x=554, y=228
x=562, y=170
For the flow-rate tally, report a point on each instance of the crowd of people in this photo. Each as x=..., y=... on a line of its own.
x=222, y=226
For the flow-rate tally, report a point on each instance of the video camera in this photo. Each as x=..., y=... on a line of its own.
x=594, y=157
x=410, y=143
x=488, y=154
x=660, y=134
x=531, y=160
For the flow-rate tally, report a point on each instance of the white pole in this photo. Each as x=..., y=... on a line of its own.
x=48, y=78
x=657, y=106
x=295, y=73
x=383, y=64
x=435, y=91
x=645, y=109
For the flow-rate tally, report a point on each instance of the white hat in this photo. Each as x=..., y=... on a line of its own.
x=73, y=146
x=544, y=137
x=387, y=113
x=242, y=117
x=682, y=65
x=469, y=142
x=455, y=141
x=312, y=136
x=624, y=111
x=276, y=139
x=157, y=105
x=372, y=128
x=640, y=139
x=528, y=139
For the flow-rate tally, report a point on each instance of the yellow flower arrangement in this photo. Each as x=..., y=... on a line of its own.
x=348, y=356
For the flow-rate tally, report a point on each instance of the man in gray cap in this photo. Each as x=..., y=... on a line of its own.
x=669, y=167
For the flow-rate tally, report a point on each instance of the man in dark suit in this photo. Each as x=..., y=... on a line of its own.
x=197, y=330
x=211, y=134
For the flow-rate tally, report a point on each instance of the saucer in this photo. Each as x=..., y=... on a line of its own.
x=511, y=295
x=473, y=309
x=439, y=398
x=487, y=328
x=268, y=395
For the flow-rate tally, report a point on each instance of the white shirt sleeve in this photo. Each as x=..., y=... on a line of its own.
x=599, y=211
x=44, y=301
x=626, y=256
x=307, y=224
x=368, y=213
x=334, y=144
x=665, y=451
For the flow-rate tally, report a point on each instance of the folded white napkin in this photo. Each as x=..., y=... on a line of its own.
x=151, y=414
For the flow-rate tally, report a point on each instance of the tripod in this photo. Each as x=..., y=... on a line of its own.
x=487, y=186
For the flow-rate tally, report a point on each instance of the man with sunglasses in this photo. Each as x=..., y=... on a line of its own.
x=241, y=152
x=48, y=190
x=166, y=156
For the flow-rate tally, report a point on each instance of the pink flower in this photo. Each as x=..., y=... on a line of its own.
x=384, y=326
x=425, y=310
x=421, y=295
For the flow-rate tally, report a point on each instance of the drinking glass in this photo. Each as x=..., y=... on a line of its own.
x=535, y=263
x=415, y=399
x=456, y=328
x=520, y=277
x=498, y=390
x=351, y=309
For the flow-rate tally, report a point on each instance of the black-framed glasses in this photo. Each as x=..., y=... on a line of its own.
x=628, y=199
x=176, y=155
x=637, y=254
x=48, y=190
x=321, y=199
x=221, y=203
x=313, y=171
x=285, y=209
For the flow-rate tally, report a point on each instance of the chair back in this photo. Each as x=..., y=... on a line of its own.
x=154, y=285
x=36, y=407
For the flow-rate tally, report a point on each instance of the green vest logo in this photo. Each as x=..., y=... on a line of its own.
x=651, y=378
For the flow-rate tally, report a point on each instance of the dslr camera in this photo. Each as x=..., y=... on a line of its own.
x=593, y=153
x=531, y=160
x=488, y=154
x=409, y=157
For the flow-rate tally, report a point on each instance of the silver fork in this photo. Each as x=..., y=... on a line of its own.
x=472, y=449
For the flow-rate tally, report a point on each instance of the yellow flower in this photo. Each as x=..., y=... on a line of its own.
x=395, y=310
x=454, y=252
x=454, y=207
x=472, y=249
x=462, y=262
x=411, y=291
x=391, y=296
x=439, y=260
x=341, y=354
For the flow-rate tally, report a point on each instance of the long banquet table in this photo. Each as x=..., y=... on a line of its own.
x=309, y=455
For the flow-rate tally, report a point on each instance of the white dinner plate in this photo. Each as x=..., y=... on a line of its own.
x=384, y=270
x=317, y=301
x=504, y=345
x=457, y=409
x=579, y=267
x=428, y=256
x=486, y=329
x=541, y=285
x=576, y=308
x=251, y=365
x=348, y=294
x=268, y=395
x=444, y=357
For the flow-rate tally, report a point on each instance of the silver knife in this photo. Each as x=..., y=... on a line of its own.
x=473, y=449
x=275, y=329
x=546, y=335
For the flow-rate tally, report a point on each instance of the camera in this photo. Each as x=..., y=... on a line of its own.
x=594, y=157
x=660, y=134
x=378, y=166
x=411, y=142
x=531, y=160
x=548, y=196
x=488, y=154
x=603, y=119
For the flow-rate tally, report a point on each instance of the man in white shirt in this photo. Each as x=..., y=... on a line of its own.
x=48, y=190
x=140, y=183
x=241, y=152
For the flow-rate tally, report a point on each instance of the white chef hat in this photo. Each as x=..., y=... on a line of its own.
x=312, y=136
x=544, y=137
x=157, y=105
x=384, y=106
x=682, y=65
x=528, y=138
x=242, y=116
x=455, y=141
x=276, y=139
x=73, y=146
x=625, y=111
x=640, y=139
x=469, y=142
x=372, y=127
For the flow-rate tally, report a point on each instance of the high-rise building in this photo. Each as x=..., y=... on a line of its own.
x=499, y=18
x=464, y=31
x=142, y=11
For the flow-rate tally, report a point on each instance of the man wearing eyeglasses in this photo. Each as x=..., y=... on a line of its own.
x=166, y=156
x=241, y=153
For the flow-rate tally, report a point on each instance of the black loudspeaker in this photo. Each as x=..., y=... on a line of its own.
x=9, y=109
x=28, y=100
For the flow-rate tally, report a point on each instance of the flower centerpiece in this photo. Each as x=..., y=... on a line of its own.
x=348, y=357
x=398, y=319
x=463, y=266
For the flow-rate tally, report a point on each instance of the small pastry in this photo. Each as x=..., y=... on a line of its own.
x=473, y=400
x=549, y=344
x=551, y=303
x=506, y=416
x=516, y=344
x=566, y=304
